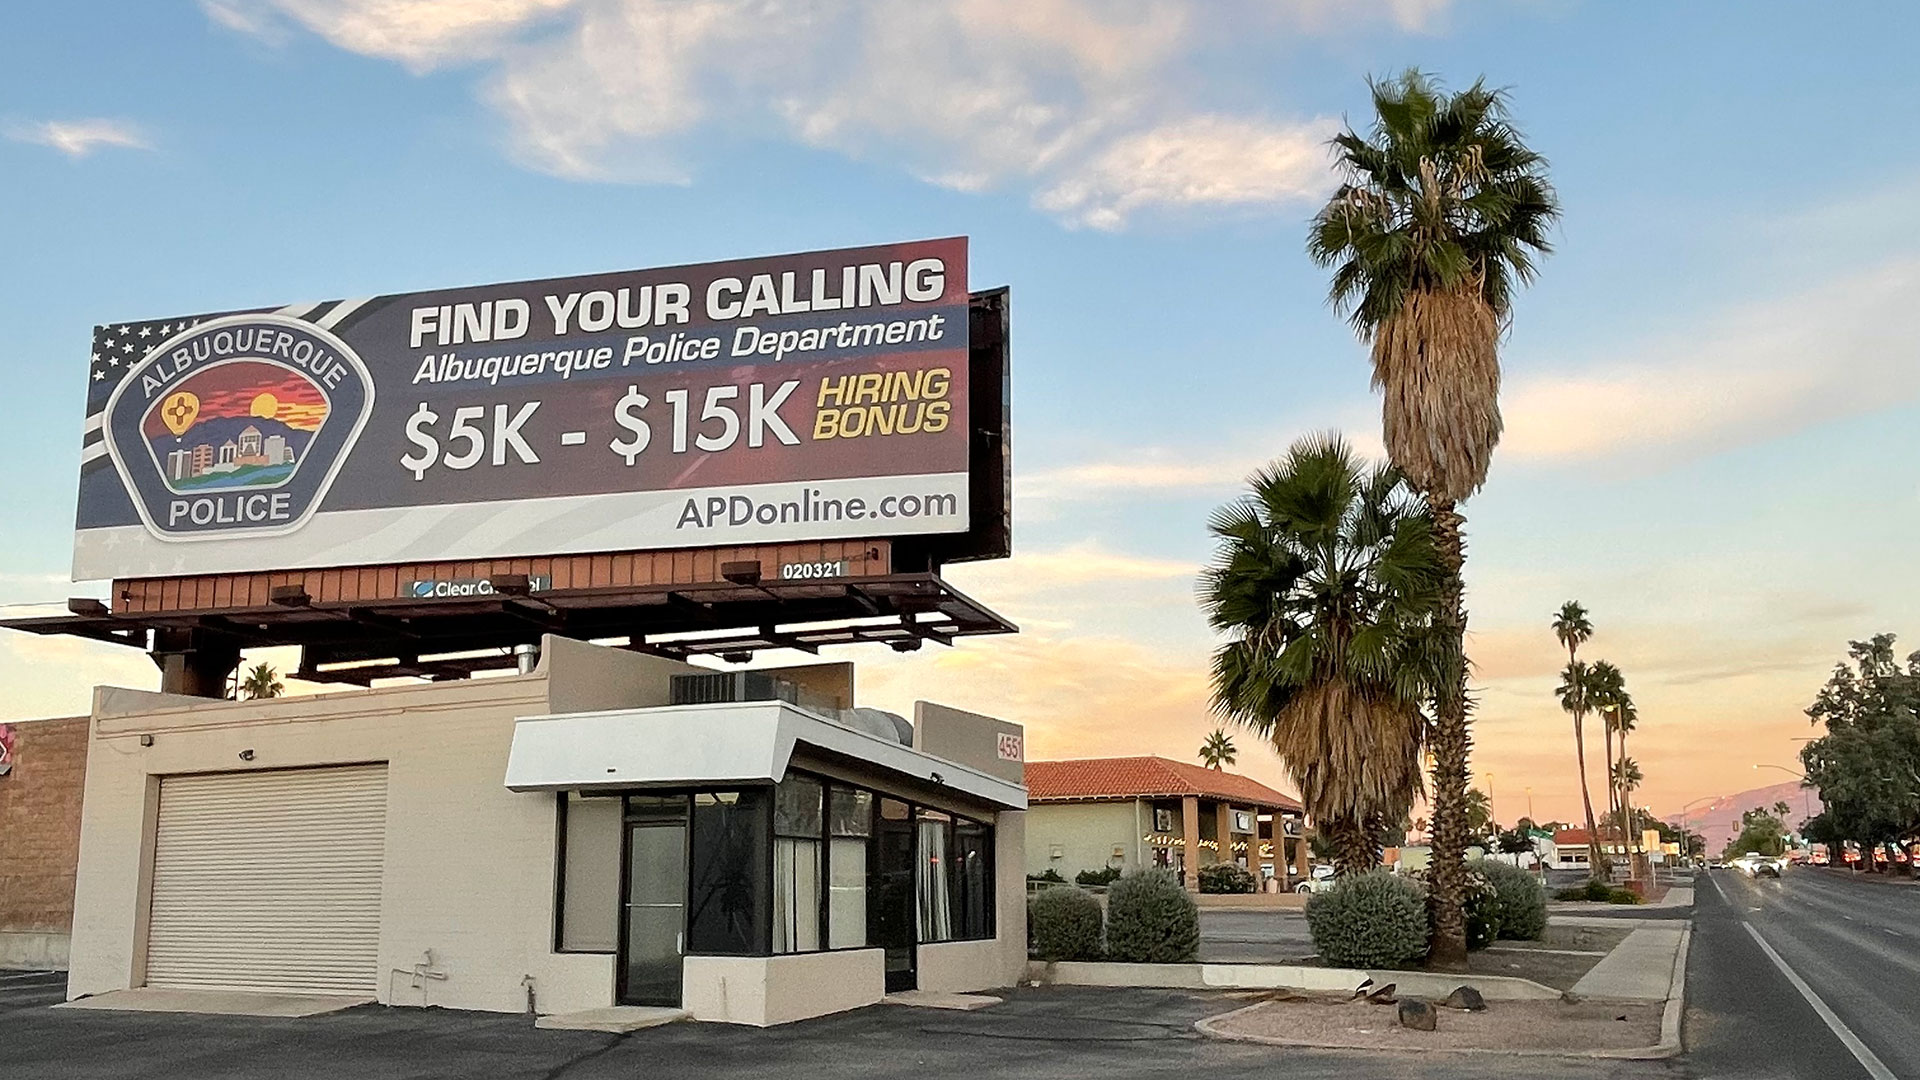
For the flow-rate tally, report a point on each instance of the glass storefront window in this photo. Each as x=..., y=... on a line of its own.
x=727, y=894
x=797, y=816
x=933, y=896
x=850, y=821
x=971, y=877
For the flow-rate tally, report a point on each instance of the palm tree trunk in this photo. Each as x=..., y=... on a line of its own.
x=1447, y=951
x=1594, y=858
x=1354, y=848
x=1613, y=784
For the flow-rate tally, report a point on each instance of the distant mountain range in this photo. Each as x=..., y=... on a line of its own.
x=1719, y=820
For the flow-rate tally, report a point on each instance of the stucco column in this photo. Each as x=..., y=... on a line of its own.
x=1190, y=834
x=1223, y=831
x=1301, y=849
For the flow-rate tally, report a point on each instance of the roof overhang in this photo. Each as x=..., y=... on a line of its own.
x=360, y=641
x=1235, y=800
x=701, y=745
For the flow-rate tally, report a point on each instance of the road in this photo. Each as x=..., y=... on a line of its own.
x=1267, y=936
x=1855, y=945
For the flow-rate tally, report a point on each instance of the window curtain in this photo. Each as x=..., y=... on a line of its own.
x=796, y=895
x=932, y=885
x=847, y=905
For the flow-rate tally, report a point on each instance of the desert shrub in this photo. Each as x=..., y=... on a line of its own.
x=1226, y=877
x=1624, y=896
x=1065, y=925
x=1520, y=900
x=1373, y=920
x=1151, y=919
x=1597, y=891
x=1103, y=876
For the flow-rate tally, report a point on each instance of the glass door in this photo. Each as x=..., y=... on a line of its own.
x=653, y=930
x=890, y=891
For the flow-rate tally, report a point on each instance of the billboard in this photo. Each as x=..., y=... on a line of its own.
x=800, y=397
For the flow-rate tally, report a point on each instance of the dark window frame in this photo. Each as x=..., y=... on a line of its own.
x=763, y=932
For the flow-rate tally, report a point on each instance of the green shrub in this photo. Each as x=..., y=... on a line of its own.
x=1597, y=891
x=1226, y=877
x=1104, y=876
x=1520, y=900
x=1050, y=876
x=1624, y=896
x=1064, y=924
x=1151, y=920
x=1373, y=920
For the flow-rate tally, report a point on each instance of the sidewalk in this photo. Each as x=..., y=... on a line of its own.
x=1641, y=968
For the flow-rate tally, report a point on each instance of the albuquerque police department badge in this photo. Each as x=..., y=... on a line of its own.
x=237, y=426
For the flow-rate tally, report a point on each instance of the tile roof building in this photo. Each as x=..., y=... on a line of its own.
x=1092, y=779
x=1125, y=813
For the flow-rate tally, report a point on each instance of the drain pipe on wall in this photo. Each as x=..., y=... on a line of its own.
x=419, y=973
x=533, y=1007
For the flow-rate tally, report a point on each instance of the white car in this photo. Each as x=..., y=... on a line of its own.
x=1320, y=880
x=1754, y=865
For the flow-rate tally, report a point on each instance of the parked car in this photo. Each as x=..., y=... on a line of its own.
x=1320, y=880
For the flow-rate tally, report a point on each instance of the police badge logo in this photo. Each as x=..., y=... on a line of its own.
x=237, y=426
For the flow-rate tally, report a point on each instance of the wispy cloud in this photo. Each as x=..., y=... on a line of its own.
x=78, y=138
x=1088, y=105
x=1753, y=373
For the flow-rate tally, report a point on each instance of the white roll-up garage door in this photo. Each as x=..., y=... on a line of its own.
x=269, y=881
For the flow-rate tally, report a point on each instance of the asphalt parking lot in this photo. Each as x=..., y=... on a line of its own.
x=1036, y=1033
x=1254, y=936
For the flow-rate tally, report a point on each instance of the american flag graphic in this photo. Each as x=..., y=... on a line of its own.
x=121, y=349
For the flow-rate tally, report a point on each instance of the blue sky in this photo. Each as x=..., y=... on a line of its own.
x=1710, y=394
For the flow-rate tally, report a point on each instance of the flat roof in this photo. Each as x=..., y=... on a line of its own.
x=720, y=743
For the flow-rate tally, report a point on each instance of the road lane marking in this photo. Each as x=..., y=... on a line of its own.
x=1867, y=1058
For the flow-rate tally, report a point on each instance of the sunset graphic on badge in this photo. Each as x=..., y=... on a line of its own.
x=245, y=424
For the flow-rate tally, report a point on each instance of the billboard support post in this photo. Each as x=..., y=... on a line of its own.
x=196, y=663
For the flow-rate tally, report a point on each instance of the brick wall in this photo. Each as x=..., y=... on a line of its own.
x=40, y=824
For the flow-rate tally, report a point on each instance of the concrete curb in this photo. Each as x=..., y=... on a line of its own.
x=1278, y=977
x=1668, y=1046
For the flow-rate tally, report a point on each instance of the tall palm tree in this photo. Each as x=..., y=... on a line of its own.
x=261, y=682
x=1441, y=213
x=1572, y=628
x=1218, y=751
x=1326, y=584
x=1605, y=687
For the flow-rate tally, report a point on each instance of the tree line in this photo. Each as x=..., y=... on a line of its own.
x=1867, y=765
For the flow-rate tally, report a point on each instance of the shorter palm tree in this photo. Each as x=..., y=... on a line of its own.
x=1479, y=813
x=261, y=682
x=1326, y=585
x=1218, y=751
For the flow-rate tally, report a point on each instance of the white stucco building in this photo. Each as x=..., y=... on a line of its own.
x=566, y=839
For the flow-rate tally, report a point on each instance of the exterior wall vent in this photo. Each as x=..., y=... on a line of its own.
x=727, y=686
